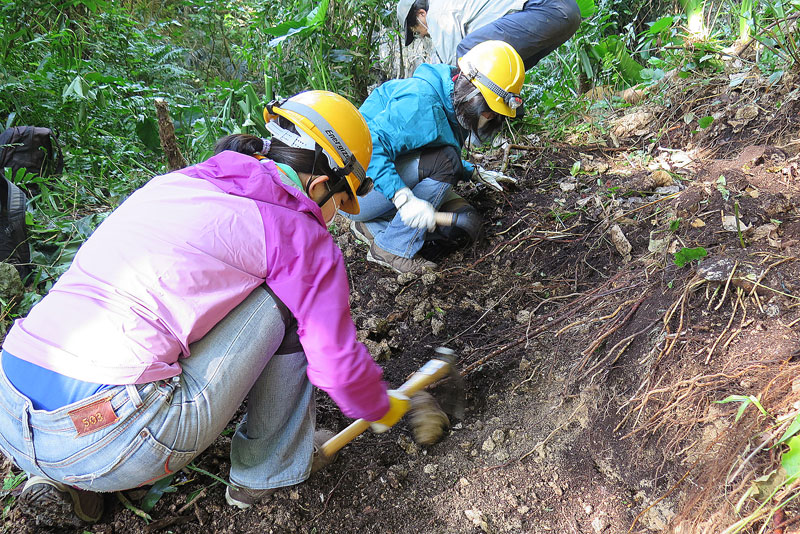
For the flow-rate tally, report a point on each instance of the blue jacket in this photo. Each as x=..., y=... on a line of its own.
x=409, y=114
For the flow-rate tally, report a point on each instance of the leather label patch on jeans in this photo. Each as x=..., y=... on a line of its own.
x=93, y=417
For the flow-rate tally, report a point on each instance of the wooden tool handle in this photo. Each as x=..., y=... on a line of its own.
x=429, y=373
x=445, y=218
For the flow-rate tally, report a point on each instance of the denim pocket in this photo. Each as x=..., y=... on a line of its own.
x=143, y=461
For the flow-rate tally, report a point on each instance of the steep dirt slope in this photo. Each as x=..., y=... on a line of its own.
x=591, y=360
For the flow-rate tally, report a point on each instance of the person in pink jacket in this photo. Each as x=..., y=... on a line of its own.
x=209, y=284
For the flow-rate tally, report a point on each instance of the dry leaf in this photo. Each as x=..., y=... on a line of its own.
x=729, y=224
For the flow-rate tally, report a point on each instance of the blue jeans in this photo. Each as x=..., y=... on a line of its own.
x=380, y=215
x=541, y=27
x=161, y=426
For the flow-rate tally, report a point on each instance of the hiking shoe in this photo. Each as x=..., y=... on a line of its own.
x=55, y=504
x=398, y=264
x=319, y=460
x=361, y=232
x=244, y=498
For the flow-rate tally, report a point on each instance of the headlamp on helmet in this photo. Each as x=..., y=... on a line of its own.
x=512, y=100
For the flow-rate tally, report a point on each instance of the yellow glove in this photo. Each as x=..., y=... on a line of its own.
x=398, y=406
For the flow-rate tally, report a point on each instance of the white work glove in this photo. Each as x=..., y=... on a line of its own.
x=415, y=212
x=491, y=178
x=398, y=406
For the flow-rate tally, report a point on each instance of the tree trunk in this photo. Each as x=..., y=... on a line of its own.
x=166, y=134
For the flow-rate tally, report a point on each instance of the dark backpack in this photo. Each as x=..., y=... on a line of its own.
x=14, y=247
x=32, y=148
x=37, y=151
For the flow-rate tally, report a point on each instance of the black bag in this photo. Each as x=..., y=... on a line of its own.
x=37, y=151
x=30, y=147
x=14, y=247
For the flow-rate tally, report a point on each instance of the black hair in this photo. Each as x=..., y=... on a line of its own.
x=299, y=159
x=469, y=109
x=313, y=162
x=242, y=143
x=411, y=18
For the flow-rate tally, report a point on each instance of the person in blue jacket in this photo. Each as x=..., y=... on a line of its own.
x=418, y=127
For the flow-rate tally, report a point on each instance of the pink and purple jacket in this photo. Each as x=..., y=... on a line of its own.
x=179, y=254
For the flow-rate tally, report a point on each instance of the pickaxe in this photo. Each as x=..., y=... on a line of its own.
x=443, y=365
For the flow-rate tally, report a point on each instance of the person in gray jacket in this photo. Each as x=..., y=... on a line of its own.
x=533, y=27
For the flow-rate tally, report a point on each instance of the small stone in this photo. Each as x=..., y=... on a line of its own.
x=488, y=445
x=478, y=519
x=294, y=495
x=523, y=317
x=524, y=365
x=379, y=351
x=405, y=278
x=588, y=509
x=429, y=279
x=669, y=190
x=421, y=311
x=408, y=445
x=599, y=524
x=399, y=470
x=621, y=242
x=498, y=436
x=567, y=186
x=437, y=326
x=501, y=456
x=388, y=284
x=430, y=469
x=661, y=178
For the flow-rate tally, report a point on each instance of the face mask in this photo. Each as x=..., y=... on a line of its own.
x=335, y=209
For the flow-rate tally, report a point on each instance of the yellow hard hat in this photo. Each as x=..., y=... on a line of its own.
x=497, y=70
x=332, y=122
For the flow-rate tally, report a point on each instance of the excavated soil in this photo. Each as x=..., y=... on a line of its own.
x=591, y=360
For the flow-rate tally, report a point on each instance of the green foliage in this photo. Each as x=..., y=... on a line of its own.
x=745, y=400
x=793, y=428
x=10, y=482
x=790, y=459
x=156, y=491
x=85, y=70
x=705, y=122
x=688, y=255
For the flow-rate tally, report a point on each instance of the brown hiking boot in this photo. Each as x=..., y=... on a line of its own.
x=361, y=232
x=398, y=264
x=55, y=504
x=244, y=498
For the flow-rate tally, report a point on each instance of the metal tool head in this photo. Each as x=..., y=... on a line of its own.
x=451, y=392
